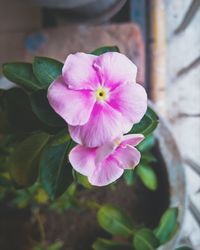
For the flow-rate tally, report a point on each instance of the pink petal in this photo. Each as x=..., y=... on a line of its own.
x=82, y=159
x=127, y=156
x=105, y=150
x=104, y=125
x=73, y=106
x=115, y=68
x=106, y=172
x=75, y=132
x=132, y=139
x=131, y=101
x=78, y=71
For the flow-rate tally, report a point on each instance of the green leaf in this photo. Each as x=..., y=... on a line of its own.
x=106, y=49
x=147, y=125
x=66, y=200
x=55, y=170
x=4, y=182
x=147, y=158
x=18, y=111
x=184, y=248
x=56, y=246
x=21, y=74
x=22, y=198
x=44, y=111
x=24, y=160
x=83, y=180
x=104, y=244
x=114, y=221
x=46, y=70
x=147, y=176
x=147, y=143
x=61, y=137
x=145, y=239
x=129, y=176
x=167, y=225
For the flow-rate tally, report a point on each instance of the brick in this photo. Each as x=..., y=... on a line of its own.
x=16, y=16
x=12, y=47
x=69, y=39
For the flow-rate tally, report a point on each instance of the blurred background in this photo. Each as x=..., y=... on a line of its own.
x=162, y=37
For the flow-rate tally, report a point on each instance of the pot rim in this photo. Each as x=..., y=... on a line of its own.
x=176, y=173
x=71, y=4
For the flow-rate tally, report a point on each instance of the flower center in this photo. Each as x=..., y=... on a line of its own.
x=101, y=94
x=117, y=142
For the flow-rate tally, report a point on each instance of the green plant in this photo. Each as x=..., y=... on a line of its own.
x=116, y=222
x=34, y=165
x=144, y=171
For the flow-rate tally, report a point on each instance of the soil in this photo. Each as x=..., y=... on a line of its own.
x=79, y=229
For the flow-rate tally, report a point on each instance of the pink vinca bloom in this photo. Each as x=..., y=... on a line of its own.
x=105, y=164
x=98, y=97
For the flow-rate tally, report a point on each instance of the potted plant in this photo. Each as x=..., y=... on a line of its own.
x=63, y=149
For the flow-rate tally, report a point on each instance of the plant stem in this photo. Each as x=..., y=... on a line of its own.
x=40, y=225
x=89, y=204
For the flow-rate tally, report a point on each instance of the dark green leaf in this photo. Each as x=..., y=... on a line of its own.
x=147, y=125
x=115, y=221
x=147, y=143
x=147, y=158
x=46, y=70
x=55, y=170
x=147, y=176
x=145, y=239
x=58, y=245
x=4, y=125
x=104, y=244
x=18, y=112
x=4, y=182
x=22, y=198
x=43, y=110
x=62, y=137
x=21, y=74
x=167, y=225
x=24, y=160
x=66, y=200
x=184, y=248
x=103, y=50
x=129, y=177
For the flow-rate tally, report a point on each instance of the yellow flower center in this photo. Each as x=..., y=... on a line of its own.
x=101, y=94
x=117, y=142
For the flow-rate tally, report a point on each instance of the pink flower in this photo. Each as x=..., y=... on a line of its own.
x=106, y=164
x=98, y=97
